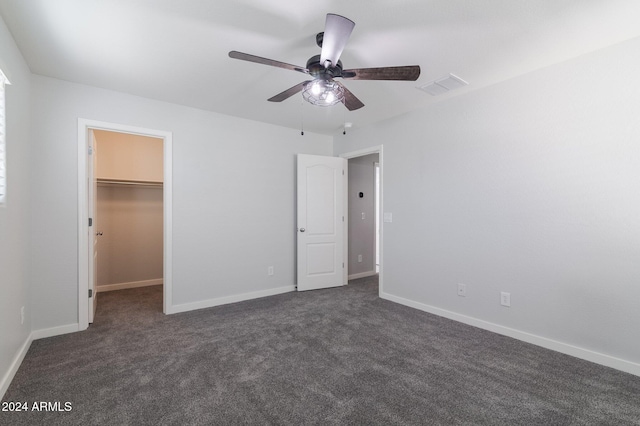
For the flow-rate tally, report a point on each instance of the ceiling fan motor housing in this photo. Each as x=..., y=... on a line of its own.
x=317, y=70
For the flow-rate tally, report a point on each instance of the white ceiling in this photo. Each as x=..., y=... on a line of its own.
x=176, y=50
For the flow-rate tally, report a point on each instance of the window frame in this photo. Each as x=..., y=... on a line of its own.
x=4, y=81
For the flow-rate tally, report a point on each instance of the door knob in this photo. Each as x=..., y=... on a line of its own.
x=302, y=229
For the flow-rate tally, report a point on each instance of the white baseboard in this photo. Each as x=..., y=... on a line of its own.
x=184, y=307
x=132, y=284
x=34, y=335
x=362, y=275
x=54, y=331
x=588, y=355
x=15, y=365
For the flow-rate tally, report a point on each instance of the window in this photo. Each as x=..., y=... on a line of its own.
x=3, y=151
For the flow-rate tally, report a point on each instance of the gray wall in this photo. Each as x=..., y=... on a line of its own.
x=530, y=186
x=362, y=232
x=14, y=215
x=233, y=196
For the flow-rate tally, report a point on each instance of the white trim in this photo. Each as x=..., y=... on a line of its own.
x=378, y=149
x=84, y=126
x=362, y=152
x=554, y=345
x=362, y=275
x=3, y=140
x=377, y=218
x=124, y=286
x=15, y=365
x=185, y=307
x=83, y=217
x=55, y=331
x=167, y=197
x=345, y=223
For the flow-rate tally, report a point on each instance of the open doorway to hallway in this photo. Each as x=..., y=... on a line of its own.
x=363, y=217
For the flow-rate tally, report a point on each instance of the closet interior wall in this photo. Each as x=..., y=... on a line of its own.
x=129, y=216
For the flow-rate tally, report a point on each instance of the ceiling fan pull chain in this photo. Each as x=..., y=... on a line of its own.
x=302, y=117
x=344, y=121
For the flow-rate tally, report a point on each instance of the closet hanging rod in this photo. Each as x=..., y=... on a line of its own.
x=128, y=182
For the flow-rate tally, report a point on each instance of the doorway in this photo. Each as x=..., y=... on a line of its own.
x=127, y=220
x=89, y=235
x=364, y=212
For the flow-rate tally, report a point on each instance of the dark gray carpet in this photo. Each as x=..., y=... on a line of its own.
x=337, y=356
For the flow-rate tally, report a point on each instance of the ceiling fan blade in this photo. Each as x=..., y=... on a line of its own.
x=350, y=101
x=252, y=58
x=337, y=30
x=406, y=73
x=288, y=93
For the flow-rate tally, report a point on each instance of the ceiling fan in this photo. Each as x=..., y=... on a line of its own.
x=322, y=89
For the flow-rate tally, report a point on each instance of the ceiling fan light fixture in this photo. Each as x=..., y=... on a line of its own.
x=323, y=92
x=315, y=88
x=329, y=99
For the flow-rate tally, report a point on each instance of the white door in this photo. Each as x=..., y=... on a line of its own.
x=321, y=228
x=93, y=229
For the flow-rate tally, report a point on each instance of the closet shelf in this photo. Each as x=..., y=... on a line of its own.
x=128, y=182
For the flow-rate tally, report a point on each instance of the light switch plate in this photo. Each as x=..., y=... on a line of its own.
x=505, y=298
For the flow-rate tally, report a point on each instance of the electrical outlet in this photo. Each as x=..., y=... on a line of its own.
x=270, y=270
x=362, y=215
x=505, y=298
x=462, y=290
x=22, y=315
x=359, y=258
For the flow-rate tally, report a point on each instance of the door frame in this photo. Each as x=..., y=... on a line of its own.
x=85, y=127
x=378, y=149
x=377, y=189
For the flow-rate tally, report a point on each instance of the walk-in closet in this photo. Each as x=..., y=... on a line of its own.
x=129, y=207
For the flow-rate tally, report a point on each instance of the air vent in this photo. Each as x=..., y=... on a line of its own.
x=443, y=85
